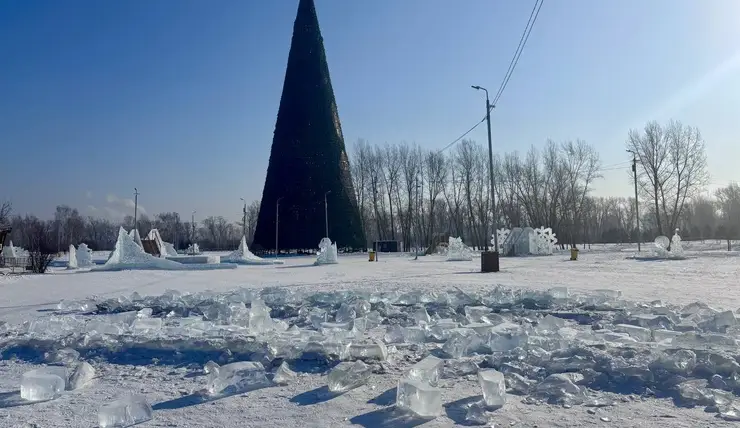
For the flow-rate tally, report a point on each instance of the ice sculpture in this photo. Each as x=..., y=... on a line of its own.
x=245, y=257
x=676, y=246
x=503, y=235
x=84, y=256
x=669, y=248
x=457, y=251
x=72, y=263
x=9, y=251
x=165, y=248
x=545, y=241
x=128, y=255
x=134, y=234
x=526, y=243
x=193, y=249
x=327, y=253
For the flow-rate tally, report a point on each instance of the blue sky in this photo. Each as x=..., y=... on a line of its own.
x=179, y=98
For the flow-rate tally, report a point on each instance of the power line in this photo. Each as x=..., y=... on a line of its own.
x=522, y=43
x=462, y=136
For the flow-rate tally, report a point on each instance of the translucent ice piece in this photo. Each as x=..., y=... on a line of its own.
x=211, y=367
x=125, y=412
x=38, y=385
x=236, y=378
x=66, y=356
x=345, y=313
x=474, y=313
x=346, y=376
x=284, y=375
x=147, y=325
x=427, y=370
x=640, y=333
x=419, y=397
x=476, y=414
x=422, y=316
x=373, y=351
x=494, y=387
x=83, y=374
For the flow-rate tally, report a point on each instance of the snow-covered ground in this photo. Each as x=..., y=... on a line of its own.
x=708, y=275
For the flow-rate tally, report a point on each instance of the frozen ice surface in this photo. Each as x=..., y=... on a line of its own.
x=427, y=370
x=41, y=385
x=125, y=412
x=327, y=253
x=83, y=374
x=347, y=375
x=494, y=387
x=236, y=378
x=419, y=398
x=284, y=375
x=457, y=251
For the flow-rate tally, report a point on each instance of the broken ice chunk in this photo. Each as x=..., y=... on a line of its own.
x=345, y=313
x=83, y=374
x=476, y=414
x=66, y=356
x=422, y=316
x=259, y=317
x=474, y=313
x=39, y=385
x=558, y=293
x=211, y=367
x=419, y=397
x=236, y=378
x=427, y=370
x=560, y=388
x=346, y=376
x=125, y=412
x=640, y=333
x=494, y=387
x=373, y=351
x=284, y=375
x=147, y=325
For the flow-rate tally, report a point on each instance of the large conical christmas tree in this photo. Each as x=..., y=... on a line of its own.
x=308, y=157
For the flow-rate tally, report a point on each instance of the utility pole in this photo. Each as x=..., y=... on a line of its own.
x=637, y=203
x=494, y=254
x=192, y=228
x=244, y=219
x=136, y=208
x=277, y=223
x=326, y=213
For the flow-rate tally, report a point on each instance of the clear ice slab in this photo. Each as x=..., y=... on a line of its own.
x=419, y=398
x=41, y=385
x=82, y=375
x=346, y=376
x=427, y=370
x=236, y=378
x=125, y=412
x=493, y=384
x=284, y=375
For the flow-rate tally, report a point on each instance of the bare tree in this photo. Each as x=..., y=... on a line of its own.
x=5, y=209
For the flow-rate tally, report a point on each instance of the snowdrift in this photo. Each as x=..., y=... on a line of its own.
x=243, y=256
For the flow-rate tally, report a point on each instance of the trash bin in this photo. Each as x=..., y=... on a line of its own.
x=489, y=261
x=372, y=256
x=574, y=254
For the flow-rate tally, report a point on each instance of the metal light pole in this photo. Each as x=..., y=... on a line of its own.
x=418, y=217
x=244, y=219
x=192, y=228
x=326, y=212
x=492, y=254
x=277, y=223
x=637, y=203
x=136, y=208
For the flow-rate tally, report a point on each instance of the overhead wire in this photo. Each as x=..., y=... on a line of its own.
x=512, y=65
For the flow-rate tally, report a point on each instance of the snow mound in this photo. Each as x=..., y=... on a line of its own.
x=84, y=256
x=243, y=256
x=457, y=251
x=165, y=248
x=129, y=255
x=72, y=264
x=327, y=253
x=134, y=234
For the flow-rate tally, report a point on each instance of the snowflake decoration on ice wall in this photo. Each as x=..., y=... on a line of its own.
x=546, y=240
x=503, y=235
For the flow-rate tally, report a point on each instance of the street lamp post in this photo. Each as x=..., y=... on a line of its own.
x=491, y=256
x=277, y=223
x=637, y=204
x=192, y=234
x=136, y=208
x=326, y=212
x=244, y=219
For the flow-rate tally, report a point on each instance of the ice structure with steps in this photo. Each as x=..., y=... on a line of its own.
x=243, y=256
x=457, y=251
x=129, y=255
x=165, y=248
x=327, y=253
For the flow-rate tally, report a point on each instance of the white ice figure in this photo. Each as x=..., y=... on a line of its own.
x=129, y=255
x=545, y=241
x=84, y=256
x=72, y=264
x=134, y=234
x=503, y=235
x=245, y=257
x=457, y=251
x=676, y=246
x=193, y=249
x=9, y=251
x=327, y=253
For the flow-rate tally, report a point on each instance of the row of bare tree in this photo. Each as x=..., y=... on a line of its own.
x=416, y=196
